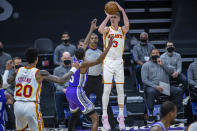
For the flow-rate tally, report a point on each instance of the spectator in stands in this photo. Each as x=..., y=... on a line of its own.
x=156, y=71
x=17, y=62
x=174, y=59
x=11, y=65
x=141, y=53
x=81, y=43
x=4, y=57
x=65, y=46
x=61, y=89
x=192, y=74
x=192, y=79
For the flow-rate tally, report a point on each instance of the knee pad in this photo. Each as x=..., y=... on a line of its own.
x=120, y=92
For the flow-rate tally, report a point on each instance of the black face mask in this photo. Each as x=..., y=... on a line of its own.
x=18, y=66
x=1, y=50
x=143, y=42
x=170, y=49
x=66, y=41
x=67, y=62
x=154, y=58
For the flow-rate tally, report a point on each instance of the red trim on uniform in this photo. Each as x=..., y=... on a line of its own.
x=119, y=83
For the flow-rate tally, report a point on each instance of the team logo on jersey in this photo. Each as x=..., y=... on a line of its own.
x=116, y=36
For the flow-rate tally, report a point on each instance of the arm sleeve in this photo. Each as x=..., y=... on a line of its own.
x=5, y=77
x=56, y=57
x=179, y=65
x=191, y=76
x=168, y=68
x=145, y=80
x=135, y=54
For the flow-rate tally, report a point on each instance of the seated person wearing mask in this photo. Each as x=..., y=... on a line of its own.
x=61, y=89
x=192, y=74
x=64, y=46
x=10, y=66
x=154, y=72
x=141, y=53
x=174, y=59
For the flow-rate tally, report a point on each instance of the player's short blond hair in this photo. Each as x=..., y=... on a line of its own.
x=117, y=14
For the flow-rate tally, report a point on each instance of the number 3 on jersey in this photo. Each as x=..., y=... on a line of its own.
x=115, y=44
x=25, y=91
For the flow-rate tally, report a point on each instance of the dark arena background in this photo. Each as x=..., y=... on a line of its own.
x=22, y=22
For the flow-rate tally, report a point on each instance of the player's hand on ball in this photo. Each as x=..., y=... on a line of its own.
x=93, y=25
x=76, y=65
x=119, y=7
x=111, y=41
x=108, y=15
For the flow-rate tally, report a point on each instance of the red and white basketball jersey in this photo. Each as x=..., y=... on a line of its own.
x=117, y=49
x=27, y=88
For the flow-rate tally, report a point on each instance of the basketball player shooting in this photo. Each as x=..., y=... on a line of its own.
x=28, y=88
x=113, y=63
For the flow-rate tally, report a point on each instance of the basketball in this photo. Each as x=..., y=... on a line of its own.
x=111, y=8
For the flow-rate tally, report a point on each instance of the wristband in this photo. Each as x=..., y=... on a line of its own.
x=73, y=69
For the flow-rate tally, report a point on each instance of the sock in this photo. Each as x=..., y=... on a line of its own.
x=120, y=92
x=121, y=112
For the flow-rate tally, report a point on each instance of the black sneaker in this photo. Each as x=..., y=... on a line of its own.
x=151, y=119
x=141, y=88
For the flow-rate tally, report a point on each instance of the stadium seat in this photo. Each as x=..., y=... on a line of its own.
x=45, y=45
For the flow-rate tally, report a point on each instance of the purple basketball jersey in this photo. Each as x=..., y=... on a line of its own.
x=75, y=94
x=160, y=124
x=77, y=79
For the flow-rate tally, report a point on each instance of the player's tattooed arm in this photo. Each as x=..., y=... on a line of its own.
x=101, y=57
x=45, y=75
x=93, y=27
x=51, y=78
x=11, y=79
